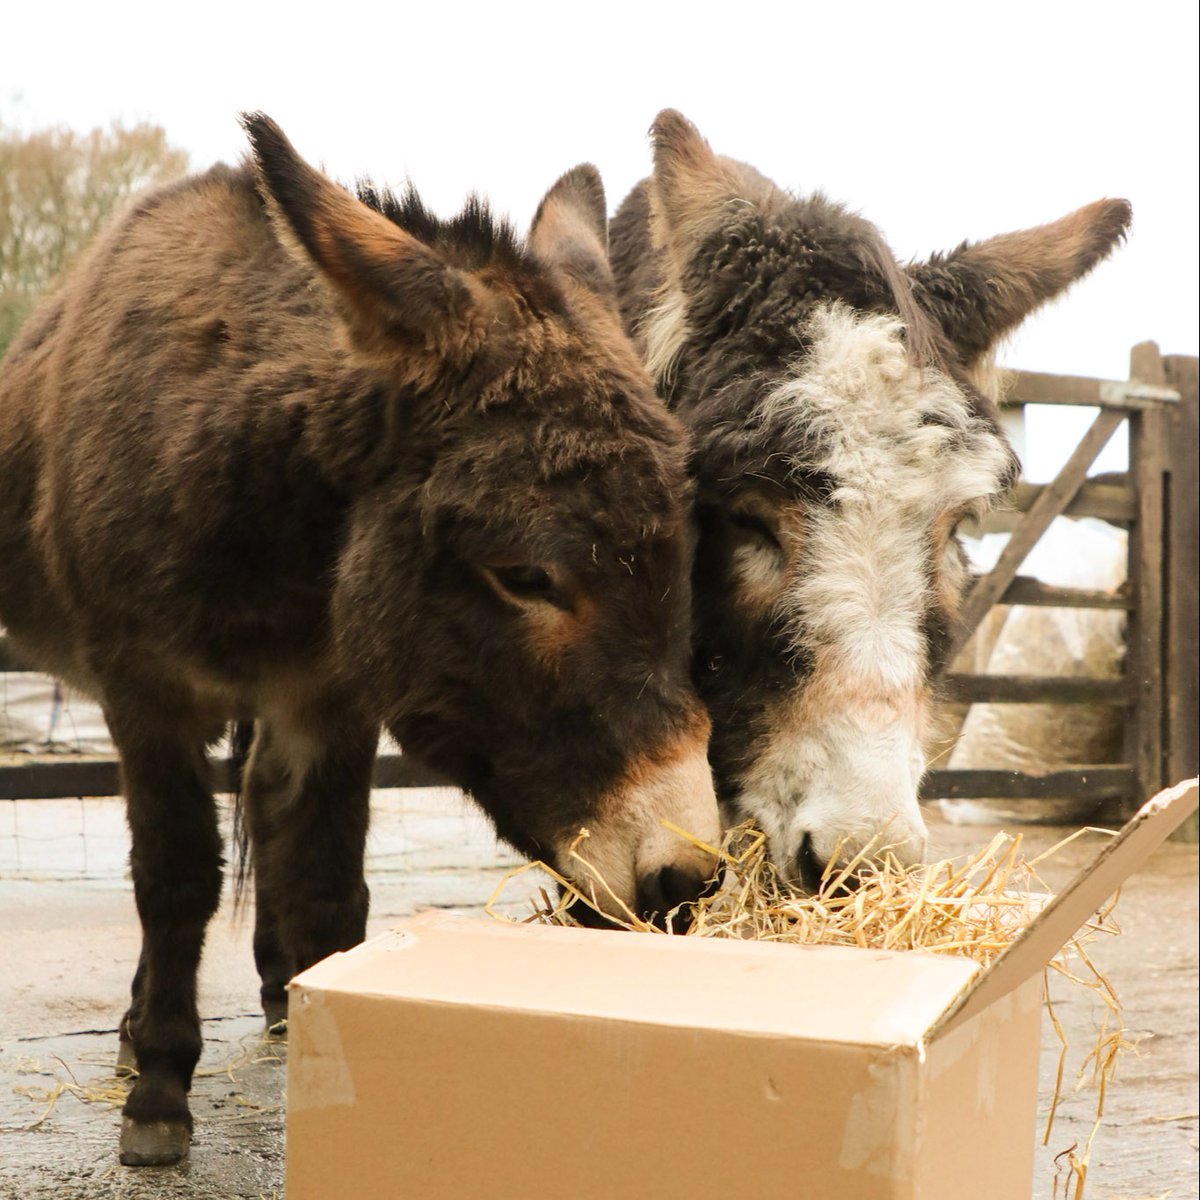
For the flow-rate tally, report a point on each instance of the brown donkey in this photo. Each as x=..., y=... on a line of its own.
x=276, y=452
x=837, y=441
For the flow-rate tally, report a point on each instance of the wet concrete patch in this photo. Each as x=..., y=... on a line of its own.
x=59, y=1117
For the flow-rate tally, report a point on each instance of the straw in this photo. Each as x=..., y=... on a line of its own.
x=113, y=1090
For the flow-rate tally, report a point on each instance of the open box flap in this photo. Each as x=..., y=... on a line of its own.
x=1058, y=921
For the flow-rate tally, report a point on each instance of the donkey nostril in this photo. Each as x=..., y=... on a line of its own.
x=809, y=867
x=812, y=873
x=671, y=888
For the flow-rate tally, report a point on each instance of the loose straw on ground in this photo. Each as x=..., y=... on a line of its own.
x=974, y=907
x=112, y=1090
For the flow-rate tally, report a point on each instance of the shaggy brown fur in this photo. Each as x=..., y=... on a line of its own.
x=274, y=451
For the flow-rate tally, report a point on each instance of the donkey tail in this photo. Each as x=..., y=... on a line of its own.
x=241, y=738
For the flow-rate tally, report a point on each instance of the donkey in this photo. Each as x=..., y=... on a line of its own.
x=840, y=433
x=277, y=451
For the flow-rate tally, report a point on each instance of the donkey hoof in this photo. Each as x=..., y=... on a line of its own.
x=153, y=1143
x=126, y=1060
x=276, y=1013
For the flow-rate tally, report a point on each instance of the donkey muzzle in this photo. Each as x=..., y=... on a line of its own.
x=649, y=849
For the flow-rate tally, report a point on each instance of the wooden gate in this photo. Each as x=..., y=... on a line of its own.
x=1156, y=501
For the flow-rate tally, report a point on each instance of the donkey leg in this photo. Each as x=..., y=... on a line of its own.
x=126, y=1054
x=176, y=861
x=321, y=895
x=309, y=838
x=275, y=965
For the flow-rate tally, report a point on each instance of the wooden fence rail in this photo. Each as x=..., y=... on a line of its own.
x=52, y=779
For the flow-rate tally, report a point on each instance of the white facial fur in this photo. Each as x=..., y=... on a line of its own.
x=844, y=757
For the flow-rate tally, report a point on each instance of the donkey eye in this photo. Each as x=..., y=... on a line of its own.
x=525, y=581
x=755, y=527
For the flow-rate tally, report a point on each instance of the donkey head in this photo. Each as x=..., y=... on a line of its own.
x=837, y=443
x=516, y=584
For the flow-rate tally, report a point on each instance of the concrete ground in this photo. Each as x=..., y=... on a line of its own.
x=69, y=939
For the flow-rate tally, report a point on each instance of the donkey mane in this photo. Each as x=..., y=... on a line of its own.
x=475, y=236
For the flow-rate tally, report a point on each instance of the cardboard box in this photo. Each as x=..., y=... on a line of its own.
x=467, y=1059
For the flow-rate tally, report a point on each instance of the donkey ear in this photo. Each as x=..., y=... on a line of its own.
x=570, y=230
x=691, y=185
x=983, y=290
x=398, y=294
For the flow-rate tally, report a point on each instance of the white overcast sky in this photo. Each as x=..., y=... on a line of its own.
x=938, y=121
